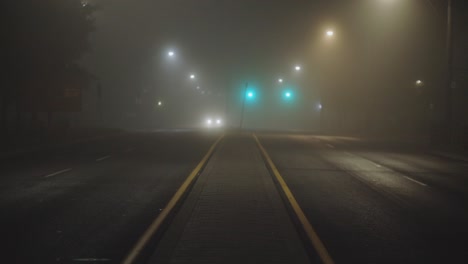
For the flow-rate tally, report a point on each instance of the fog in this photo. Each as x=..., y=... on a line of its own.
x=364, y=78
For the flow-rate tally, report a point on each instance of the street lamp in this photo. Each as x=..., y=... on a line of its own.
x=171, y=53
x=280, y=80
x=192, y=76
x=159, y=104
x=330, y=33
x=297, y=68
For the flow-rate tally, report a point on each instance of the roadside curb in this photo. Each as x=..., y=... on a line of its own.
x=449, y=155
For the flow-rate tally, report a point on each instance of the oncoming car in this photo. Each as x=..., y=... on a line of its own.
x=213, y=122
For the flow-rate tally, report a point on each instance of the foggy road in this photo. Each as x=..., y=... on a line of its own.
x=369, y=203
x=312, y=131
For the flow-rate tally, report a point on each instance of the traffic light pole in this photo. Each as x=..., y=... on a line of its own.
x=243, y=105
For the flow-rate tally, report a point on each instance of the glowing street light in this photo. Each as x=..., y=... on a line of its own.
x=330, y=33
x=297, y=68
x=171, y=53
x=419, y=82
x=280, y=80
x=250, y=94
x=192, y=76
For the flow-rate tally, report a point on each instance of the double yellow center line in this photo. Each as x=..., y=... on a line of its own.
x=307, y=227
x=156, y=224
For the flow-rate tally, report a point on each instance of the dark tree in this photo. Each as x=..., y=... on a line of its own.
x=40, y=41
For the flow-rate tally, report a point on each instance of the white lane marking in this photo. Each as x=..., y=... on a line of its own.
x=390, y=169
x=90, y=259
x=103, y=158
x=58, y=172
x=416, y=181
x=330, y=145
x=409, y=178
x=375, y=164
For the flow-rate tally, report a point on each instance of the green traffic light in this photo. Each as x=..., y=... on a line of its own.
x=288, y=95
x=250, y=95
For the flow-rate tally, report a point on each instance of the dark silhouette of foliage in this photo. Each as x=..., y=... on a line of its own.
x=40, y=40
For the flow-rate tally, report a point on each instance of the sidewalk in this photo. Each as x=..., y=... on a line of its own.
x=233, y=214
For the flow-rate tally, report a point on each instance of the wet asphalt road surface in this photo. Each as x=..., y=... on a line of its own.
x=90, y=202
x=374, y=202
x=369, y=202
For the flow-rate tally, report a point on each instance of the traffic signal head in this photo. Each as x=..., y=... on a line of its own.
x=250, y=95
x=288, y=95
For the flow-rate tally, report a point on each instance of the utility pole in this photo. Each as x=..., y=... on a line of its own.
x=449, y=76
x=99, y=100
x=243, y=105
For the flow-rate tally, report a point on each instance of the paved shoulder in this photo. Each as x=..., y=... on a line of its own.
x=234, y=214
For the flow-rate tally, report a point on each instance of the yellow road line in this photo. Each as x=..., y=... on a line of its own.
x=140, y=245
x=309, y=230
